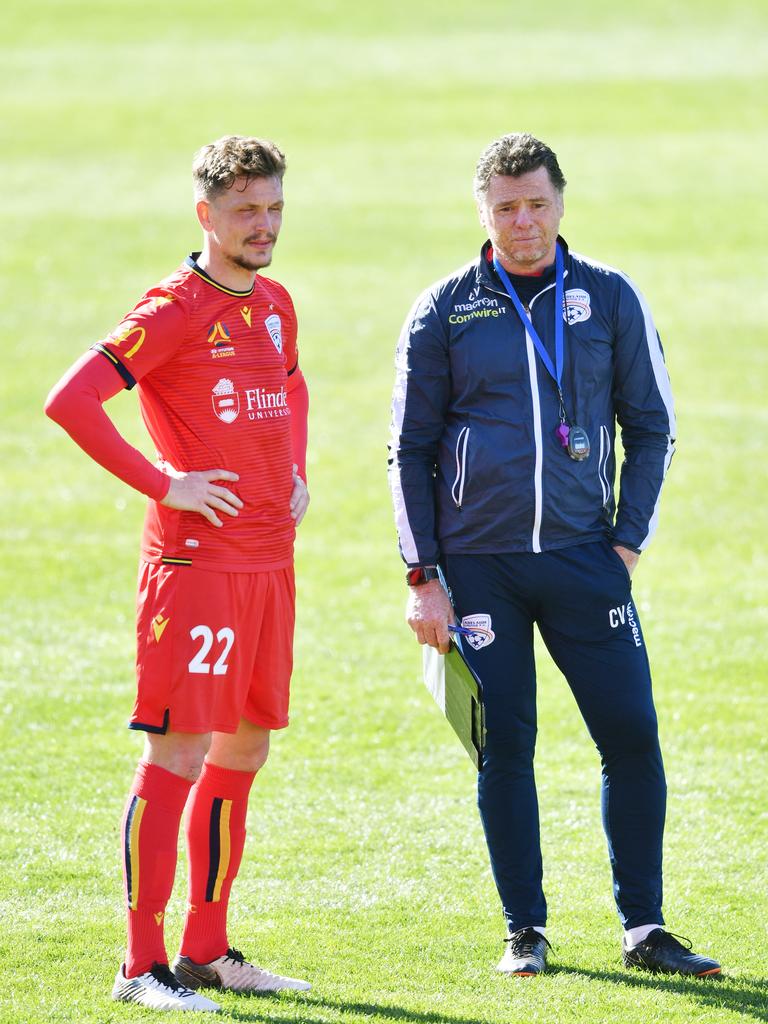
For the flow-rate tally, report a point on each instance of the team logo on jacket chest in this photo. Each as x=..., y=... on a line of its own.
x=577, y=307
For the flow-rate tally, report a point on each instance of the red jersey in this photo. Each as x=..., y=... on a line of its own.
x=213, y=368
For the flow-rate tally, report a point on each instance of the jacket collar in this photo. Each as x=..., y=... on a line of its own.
x=486, y=274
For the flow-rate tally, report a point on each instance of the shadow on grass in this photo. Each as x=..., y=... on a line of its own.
x=744, y=995
x=375, y=1012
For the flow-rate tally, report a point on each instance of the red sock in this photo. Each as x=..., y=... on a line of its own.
x=215, y=829
x=150, y=838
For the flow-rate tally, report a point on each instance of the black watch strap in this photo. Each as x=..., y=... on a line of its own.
x=420, y=574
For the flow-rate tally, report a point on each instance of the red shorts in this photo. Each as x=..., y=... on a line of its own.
x=212, y=648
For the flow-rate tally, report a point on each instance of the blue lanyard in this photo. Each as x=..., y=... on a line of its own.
x=556, y=371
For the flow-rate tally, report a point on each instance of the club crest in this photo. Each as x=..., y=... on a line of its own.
x=482, y=635
x=226, y=401
x=577, y=307
x=273, y=325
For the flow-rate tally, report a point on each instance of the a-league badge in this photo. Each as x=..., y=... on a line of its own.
x=481, y=633
x=273, y=325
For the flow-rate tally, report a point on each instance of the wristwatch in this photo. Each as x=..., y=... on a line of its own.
x=420, y=574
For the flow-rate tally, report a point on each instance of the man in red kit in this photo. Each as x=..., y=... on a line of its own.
x=212, y=352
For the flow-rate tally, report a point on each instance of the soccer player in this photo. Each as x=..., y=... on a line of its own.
x=212, y=352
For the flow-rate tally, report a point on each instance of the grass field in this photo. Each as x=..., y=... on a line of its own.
x=365, y=869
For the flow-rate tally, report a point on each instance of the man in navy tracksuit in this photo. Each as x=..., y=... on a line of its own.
x=511, y=376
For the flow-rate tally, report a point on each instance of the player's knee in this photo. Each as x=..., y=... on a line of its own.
x=252, y=758
x=259, y=753
x=182, y=754
x=244, y=751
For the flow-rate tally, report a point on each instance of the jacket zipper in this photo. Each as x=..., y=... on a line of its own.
x=457, y=491
x=538, y=499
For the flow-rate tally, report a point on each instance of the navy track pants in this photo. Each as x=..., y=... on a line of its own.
x=580, y=599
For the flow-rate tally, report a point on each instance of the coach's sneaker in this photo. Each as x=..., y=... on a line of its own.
x=159, y=990
x=661, y=953
x=526, y=953
x=233, y=973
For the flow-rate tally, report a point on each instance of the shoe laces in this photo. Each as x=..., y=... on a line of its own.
x=669, y=940
x=165, y=977
x=521, y=942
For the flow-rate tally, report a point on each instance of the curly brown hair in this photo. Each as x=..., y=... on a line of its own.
x=513, y=155
x=217, y=166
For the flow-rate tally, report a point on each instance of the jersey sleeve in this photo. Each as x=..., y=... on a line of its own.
x=147, y=337
x=76, y=404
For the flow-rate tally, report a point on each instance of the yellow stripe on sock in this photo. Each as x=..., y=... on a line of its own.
x=134, y=848
x=224, y=849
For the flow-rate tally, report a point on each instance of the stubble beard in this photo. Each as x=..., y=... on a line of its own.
x=522, y=258
x=252, y=265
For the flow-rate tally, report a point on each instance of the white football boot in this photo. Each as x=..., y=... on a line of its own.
x=158, y=989
x=233, y=973
x=525, y=955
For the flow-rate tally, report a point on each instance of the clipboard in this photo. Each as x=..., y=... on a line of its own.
x=458, y=693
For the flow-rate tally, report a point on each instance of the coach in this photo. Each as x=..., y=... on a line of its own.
x=512, y=374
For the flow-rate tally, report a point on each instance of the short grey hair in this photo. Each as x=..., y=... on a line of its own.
x=513, y=155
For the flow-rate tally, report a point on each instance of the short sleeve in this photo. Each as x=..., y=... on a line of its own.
x=147, y=337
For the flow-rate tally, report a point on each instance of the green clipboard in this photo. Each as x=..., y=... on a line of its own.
x=458, y=693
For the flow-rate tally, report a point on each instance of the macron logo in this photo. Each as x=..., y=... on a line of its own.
x=624, y=615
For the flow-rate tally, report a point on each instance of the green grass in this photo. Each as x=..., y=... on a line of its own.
x=365, y=869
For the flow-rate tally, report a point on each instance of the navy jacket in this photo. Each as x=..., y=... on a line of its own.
x=475, y=464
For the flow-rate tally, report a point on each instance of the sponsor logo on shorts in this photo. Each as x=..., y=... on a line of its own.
x=482, y=634
x=158, y=626
x=624, y=615
x=577, y=306
x=275, y=328
x=226, y=401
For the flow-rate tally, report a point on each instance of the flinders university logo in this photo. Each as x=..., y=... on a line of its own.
x=226, y=401
x=577, y=307
x=273, y=325
x=482, y=634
